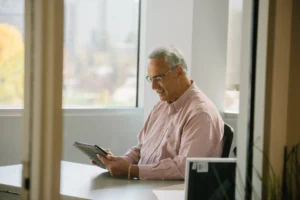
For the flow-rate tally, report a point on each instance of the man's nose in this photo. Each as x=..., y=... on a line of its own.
x=154, y=85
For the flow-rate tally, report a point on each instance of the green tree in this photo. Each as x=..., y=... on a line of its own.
x=11, y=65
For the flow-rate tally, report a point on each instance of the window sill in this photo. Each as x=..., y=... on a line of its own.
x=230, y=114
x=78, y=111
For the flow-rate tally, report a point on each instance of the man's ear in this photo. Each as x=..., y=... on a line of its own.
x=179, y=70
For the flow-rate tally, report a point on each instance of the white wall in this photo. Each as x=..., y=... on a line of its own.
x=110, y=128
x=209, y=48
x=169, y=22
x=10, y=139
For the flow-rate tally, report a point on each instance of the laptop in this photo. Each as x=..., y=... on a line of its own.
x=210, y=178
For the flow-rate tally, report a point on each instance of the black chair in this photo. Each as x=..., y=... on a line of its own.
x=234, y=151
x=227, y=140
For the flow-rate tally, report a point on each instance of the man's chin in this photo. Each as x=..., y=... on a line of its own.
x=163, y=98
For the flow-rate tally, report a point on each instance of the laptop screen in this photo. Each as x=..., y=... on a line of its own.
x=211, y=179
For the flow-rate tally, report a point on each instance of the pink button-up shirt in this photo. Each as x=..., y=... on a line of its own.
x=189, y=127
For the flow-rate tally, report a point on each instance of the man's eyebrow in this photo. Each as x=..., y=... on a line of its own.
x=159, y=75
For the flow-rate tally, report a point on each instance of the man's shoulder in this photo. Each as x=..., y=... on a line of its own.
x=200, y=104
x=198, y=101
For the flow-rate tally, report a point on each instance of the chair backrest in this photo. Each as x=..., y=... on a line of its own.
x=227, y=140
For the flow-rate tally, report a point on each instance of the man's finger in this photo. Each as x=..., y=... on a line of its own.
x=109, y=152
x=94, y=163
x=100, y=157
x=111, y=173
x=103, y=159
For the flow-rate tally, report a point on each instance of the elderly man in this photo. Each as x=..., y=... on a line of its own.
x=184, y=123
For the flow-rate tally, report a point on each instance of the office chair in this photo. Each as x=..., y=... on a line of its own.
x=227, y=140
x=234, y=151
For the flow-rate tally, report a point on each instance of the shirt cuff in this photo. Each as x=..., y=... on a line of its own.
x=145, y=172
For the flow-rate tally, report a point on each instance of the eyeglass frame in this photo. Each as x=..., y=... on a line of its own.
x=158, y=78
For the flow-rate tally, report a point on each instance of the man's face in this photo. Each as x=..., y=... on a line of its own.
x=167, y=84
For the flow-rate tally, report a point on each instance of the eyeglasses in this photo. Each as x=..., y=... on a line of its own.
x=158, y=78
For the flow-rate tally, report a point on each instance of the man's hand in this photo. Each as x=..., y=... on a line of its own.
x=115, y=165
x=108, y=153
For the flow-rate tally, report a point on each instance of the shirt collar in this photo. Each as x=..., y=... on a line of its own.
x=176, y=105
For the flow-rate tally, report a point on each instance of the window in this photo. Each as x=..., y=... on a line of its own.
x=11, y=52
x=100, y=53
x=233, y=56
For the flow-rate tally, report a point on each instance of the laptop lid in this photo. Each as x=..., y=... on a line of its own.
x=210, y=178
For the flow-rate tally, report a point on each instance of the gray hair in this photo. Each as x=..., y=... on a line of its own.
x=171, y=54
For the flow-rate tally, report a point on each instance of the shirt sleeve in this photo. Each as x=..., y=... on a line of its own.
x=198, y=140
x=133, y=155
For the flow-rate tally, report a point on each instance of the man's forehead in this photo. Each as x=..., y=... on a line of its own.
x=158, y=60
x=157, y=65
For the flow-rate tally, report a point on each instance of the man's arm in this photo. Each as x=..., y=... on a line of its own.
x=198, y=140
x=133, y=155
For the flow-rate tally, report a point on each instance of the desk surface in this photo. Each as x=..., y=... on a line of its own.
x=80, y=181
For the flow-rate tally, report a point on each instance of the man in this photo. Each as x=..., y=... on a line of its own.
x=185, y=123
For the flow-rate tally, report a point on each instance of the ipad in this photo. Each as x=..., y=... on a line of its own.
x=91, y=150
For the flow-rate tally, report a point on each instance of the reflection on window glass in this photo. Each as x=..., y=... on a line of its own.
x=11, y=52
x=232, y=94
x=100, y=52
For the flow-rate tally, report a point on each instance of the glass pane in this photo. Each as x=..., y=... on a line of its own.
x=11, y=95
x=11, y=52
x=100, y=53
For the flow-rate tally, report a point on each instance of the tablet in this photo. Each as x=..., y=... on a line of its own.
x=91, y=151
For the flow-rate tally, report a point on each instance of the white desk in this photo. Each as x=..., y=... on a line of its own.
x=79, y=181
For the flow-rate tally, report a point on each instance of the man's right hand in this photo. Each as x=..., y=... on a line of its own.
x=109, y=153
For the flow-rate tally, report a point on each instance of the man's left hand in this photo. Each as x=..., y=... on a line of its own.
x=116, y=166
